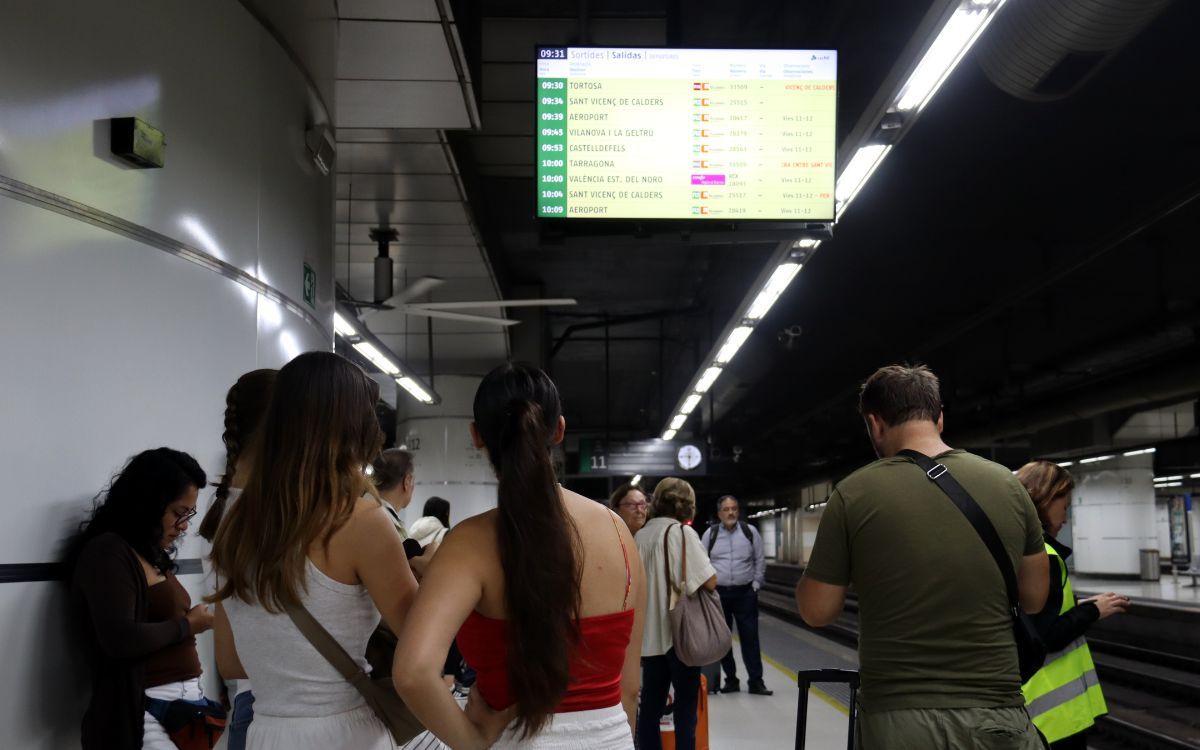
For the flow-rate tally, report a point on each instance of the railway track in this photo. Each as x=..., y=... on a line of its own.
x=1153, y=696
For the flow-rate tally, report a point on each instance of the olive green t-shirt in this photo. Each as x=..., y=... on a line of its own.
x=935, y=628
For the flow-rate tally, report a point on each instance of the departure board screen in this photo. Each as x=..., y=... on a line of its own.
x=651, y=133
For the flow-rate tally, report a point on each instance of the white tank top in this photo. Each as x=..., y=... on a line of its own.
x=291, y=679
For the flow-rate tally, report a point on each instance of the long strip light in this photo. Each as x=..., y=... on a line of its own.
x=960, y=32
x=669, y=434
x=732, y=343
x=375, y=353
x=1168, y=484
x=862, y=165
x=707, y=379
x=689, y=404
x=376, y=357
x=1094, y=459
x=1175, y=478
x=1141, y=452
x=783, y=275
x=636, y=478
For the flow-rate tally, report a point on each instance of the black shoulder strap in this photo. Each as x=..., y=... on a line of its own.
x=941, y=476
x=746, y=530
x=712, y=537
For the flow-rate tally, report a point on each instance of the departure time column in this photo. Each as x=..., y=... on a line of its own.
x=552, y=149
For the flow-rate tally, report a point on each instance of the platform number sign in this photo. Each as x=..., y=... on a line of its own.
x=651, y=458
x=310, y=286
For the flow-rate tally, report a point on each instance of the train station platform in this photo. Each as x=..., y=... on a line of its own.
x=1182, y=590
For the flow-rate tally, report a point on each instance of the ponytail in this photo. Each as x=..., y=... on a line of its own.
x=517, y=413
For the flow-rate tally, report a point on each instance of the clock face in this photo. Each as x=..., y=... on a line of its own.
x=688, y=457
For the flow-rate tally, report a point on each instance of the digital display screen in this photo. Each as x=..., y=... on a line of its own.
x=652, y=133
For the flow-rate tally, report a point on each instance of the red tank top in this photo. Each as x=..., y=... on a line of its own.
x=595, y=668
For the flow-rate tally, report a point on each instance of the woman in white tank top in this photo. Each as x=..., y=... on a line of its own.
x=309, y=530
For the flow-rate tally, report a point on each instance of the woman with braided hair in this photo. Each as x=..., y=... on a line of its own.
x=245, y=405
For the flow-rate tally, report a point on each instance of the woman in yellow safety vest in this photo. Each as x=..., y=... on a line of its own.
x=1064, y=697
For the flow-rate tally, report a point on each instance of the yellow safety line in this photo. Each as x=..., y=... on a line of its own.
x=812, y=689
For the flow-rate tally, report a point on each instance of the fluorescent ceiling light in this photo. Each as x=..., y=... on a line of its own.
x=1168, y=484
x=342, y=327
x=1169, y=479
x=862, y=165
x=806, y=242
x=636, y=478
x=707, y=379
x=668, y=435
x=376, y=357
x=678, y=421
x=774, y=287
x=737, y=337
x=1194, y=476
x=689, y=404
x=414, y=389
x=1141, y=452
x=1094, y=459
x=952, y=42
x=1066, y=463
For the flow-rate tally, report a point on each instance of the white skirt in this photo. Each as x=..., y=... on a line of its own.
x=357, y=729
x=600, y=729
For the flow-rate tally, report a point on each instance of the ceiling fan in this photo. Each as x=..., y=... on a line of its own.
x=386, y=300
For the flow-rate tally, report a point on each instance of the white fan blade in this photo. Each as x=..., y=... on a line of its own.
x=492, y=303
x=410, y=310
x=413, y=290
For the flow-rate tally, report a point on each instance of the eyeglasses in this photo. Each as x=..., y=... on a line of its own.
x=635, y=505
x=184, y=517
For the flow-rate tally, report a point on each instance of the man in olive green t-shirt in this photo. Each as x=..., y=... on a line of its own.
x=938, y=659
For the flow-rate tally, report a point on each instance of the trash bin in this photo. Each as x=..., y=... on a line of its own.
x=1149, y=564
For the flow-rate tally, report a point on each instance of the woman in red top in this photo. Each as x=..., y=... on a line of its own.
x=545, y=594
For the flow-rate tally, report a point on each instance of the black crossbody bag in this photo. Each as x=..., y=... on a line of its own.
x=1031, y=652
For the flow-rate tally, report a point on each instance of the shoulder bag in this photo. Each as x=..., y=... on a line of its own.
x=698, y=624
x=379, y=693
x=1031, y=652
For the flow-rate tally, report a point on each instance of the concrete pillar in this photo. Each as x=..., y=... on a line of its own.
x=444, y=461
x=1113, y=514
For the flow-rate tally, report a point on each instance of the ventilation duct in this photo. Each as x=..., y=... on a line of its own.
x=1041, y=50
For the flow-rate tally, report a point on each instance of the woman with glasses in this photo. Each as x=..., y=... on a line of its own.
x=138, y=622
x=629, y=501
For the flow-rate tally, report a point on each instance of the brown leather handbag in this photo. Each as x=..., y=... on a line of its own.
x=378, y=692
x=698, y=624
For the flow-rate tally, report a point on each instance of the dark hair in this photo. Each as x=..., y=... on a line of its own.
x=517, y=410
x=1045, y=482
x=723, y=498
x=614, y=500
x=391, y=467
x=319, y=431
x=245, y=404
x=133, y=505
x=439, y=509
x=901, y=393
x=674, y=498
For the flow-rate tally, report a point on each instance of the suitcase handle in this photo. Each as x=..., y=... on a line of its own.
x=804, y=680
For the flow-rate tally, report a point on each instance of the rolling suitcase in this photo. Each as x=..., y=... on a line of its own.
x=805, y=679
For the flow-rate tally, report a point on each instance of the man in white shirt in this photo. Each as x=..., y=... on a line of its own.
x=736, y=551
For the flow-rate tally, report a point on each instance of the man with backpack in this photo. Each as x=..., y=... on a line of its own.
x=736, y=551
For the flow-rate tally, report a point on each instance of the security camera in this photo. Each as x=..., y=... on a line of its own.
x=790, y=336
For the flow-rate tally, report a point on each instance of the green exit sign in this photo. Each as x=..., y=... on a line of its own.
x=310, y=286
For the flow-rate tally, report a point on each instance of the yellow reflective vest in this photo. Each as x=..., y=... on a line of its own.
x=1064, y=697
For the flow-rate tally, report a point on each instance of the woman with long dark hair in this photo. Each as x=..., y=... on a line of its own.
x=309, y=531
x=245, y=404
x=139, y=624
x=545, y=592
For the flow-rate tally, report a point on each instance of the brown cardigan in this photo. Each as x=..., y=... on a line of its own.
x=108, y=597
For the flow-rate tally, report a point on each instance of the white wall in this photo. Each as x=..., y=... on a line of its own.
x=445, y=463
x=111, y=346
x=1113, y=515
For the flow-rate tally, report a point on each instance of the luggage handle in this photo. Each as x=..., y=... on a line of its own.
x=804, y=680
